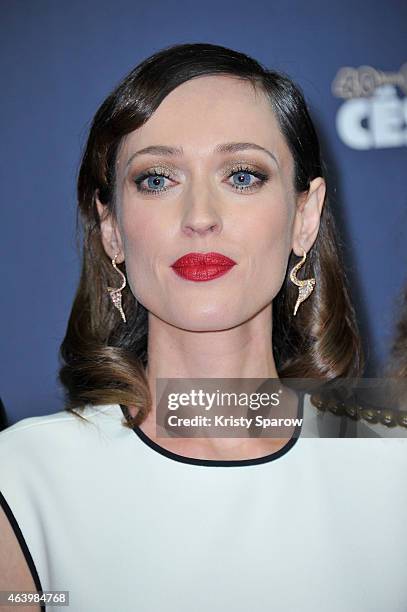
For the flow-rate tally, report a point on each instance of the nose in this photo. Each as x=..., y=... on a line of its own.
x=201, y=216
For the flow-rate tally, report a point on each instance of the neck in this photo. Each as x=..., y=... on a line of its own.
x=242, y=352
x=245, y=351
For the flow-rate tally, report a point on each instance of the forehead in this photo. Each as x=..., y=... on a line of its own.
x=208, y=110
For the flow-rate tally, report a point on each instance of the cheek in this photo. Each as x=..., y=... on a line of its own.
x=148, y=240
x=270, y=236
x=268, y=250
x=140, y=239
x=135, y=224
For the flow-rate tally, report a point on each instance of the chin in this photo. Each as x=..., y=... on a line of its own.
x=205, y=322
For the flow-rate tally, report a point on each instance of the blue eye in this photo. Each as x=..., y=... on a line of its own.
x=155, y=181
x=243, y=178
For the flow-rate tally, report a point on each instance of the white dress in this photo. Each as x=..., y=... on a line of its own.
x=122, y=524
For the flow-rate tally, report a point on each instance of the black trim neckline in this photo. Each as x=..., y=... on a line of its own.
x=221, y=462
x=23, y=545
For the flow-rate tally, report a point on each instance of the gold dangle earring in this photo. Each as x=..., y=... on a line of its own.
x=116, y=294
x=305, y=287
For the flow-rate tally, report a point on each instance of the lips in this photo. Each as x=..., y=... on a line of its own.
x=202, y=266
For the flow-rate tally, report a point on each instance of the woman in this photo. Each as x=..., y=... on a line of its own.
x=202, y=194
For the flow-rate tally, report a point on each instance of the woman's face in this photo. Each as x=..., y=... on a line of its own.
x=207, y=197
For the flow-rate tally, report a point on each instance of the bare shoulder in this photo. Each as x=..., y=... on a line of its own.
x=15, y=575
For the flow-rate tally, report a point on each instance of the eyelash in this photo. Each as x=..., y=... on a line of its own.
x=160, y=172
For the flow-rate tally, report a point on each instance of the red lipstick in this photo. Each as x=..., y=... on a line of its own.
x=202, y=266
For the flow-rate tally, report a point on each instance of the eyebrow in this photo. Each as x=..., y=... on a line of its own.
x=228, y=147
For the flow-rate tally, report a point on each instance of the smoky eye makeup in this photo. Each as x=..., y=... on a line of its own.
x=246, y=166
x=156, y=176
x=149, y=170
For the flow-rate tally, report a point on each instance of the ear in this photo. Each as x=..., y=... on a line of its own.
x=308, y=216
x=111, y=238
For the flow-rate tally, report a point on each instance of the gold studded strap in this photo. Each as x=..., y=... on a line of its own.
x=385, y=416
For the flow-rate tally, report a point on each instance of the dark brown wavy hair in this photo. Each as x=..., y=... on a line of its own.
x=104, y=359
x=397, y=367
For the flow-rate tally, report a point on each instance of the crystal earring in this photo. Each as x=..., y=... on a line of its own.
x=116, y=294
x=305, y=287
